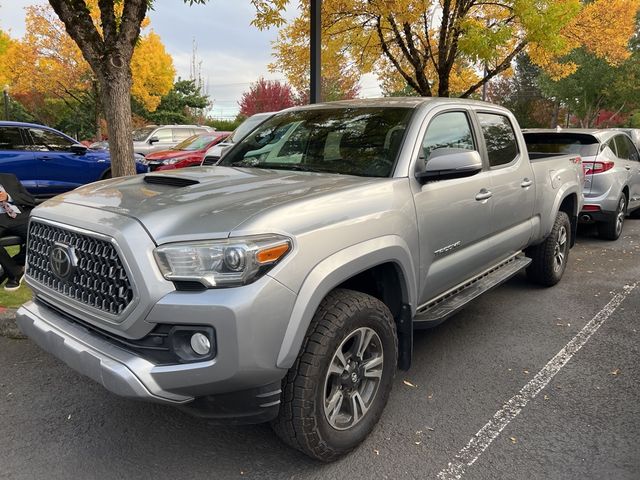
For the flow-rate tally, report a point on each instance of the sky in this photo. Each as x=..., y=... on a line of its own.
x=233, y=53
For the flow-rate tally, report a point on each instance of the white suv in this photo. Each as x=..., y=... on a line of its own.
x=154, y=138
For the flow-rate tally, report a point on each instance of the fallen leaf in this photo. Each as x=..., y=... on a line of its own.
x=430, y=396
x=526, y=372
x=546, y=397
x=409, y=384
x=69, y=417
x=377, y=452
x=616, y=372
x=514, y=440
x=417, y=443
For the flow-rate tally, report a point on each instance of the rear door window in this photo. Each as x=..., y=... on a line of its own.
x=11, y=139
x=626, y=149
x=500, y=139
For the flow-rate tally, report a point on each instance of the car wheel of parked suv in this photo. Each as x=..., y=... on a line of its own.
x=338, y=387
x=612, y=229
x=549, y=259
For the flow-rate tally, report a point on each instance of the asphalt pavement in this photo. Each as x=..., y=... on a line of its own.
x=572, y=416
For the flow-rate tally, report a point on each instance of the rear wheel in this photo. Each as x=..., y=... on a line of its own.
x=106, y=175
x=612, y=228
x=549, y=259
x=336, y=391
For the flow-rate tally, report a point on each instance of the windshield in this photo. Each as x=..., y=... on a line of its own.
x=583, y=144
x=245, y=127
x=141, y=134
x=351, y=141
x=196, y=142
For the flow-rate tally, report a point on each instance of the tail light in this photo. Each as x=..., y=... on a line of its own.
x=591, y=168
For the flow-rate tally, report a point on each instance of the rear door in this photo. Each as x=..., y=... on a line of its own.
x=17, y=158
x=512, y=184
x=454, y=217
x=628, y=152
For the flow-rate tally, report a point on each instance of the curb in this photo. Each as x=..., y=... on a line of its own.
x=8, y=327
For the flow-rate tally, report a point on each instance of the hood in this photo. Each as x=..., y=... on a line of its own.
x=220, y=198
x=167, y=154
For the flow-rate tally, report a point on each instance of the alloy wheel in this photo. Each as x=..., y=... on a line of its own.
x=353, y=378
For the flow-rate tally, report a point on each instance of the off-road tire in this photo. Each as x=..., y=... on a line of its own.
x=543, y=268
x=302, y=422
x=611, y=230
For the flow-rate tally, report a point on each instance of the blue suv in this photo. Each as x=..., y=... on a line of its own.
x=48, y=162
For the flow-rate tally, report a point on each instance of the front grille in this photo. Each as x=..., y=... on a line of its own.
x=99, y=279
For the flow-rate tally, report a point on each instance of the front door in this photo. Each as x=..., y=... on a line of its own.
x=628, y=154
x=454, y=216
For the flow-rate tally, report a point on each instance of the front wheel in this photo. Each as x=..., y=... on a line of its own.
x=612, y=228
x=549, y=259
x=338, y=387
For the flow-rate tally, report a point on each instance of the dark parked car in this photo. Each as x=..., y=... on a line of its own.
x=48, y=162
x=188, y=153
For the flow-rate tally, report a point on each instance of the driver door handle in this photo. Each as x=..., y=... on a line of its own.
x=526, y=183
x=483, y=195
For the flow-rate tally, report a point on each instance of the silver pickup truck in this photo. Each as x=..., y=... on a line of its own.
x=284, y=284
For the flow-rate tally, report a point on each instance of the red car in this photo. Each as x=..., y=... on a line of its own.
x=188, y=153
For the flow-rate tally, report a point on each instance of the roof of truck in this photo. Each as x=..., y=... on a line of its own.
x=406, y=102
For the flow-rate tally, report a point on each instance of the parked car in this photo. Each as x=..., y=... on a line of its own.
x=154, y=138
x=212, y=155
x=288, y=289
x=48, y=162
x=188, y=153
x=612, y=167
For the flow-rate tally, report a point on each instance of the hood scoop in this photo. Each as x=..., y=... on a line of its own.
x=170, y=181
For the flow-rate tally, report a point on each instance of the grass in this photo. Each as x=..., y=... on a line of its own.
x=17, y=298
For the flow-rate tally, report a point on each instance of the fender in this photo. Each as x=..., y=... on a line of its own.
x=334, y=270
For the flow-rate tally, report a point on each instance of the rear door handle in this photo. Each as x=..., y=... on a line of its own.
x=526, y=183
x=46, y=157
x=483, y=195
x=628, y=167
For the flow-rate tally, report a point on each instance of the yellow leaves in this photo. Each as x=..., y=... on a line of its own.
x=604, y=28
x=47, y=63
x=154, y=71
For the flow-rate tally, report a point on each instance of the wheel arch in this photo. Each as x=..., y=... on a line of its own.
x=569, y=205
x=382, y=268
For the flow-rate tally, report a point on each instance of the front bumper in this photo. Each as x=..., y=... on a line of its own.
x=240, y=385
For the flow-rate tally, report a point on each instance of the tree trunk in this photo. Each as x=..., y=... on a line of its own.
x=115, y=92
x=98, y=102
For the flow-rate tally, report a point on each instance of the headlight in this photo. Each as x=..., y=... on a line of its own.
x=222, y=263
x=172, y=161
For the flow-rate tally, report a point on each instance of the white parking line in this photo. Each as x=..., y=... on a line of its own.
x=510, y=410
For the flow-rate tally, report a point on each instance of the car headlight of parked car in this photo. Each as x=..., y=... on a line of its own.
x=222, y=263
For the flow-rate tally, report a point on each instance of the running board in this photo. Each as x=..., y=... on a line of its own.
x=441, y=308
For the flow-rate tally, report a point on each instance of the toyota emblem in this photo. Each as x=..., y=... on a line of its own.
x=63, y=261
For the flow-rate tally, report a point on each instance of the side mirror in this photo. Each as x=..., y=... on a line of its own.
x=78, y=149
x=448, y=163
x=153, y=140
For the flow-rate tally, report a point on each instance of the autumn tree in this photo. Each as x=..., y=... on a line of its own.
x=108, y=45
x=266, y=96
x=445, y=47
x=48, y=73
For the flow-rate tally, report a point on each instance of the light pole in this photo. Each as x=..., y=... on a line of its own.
x=316, y=49
x=5, y=94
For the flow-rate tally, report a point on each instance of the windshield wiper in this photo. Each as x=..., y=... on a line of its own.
x=280, y=166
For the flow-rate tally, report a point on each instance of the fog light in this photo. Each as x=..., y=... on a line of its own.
x=200, y=344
